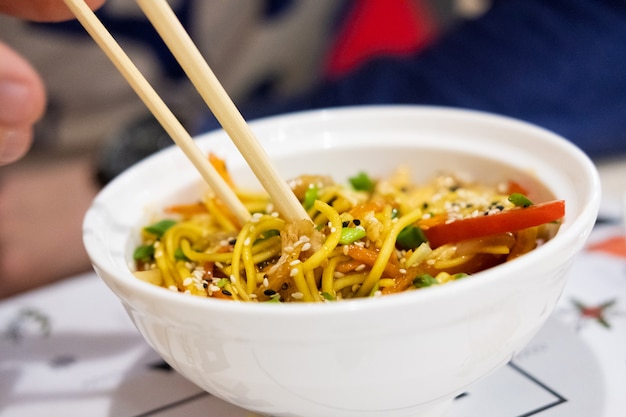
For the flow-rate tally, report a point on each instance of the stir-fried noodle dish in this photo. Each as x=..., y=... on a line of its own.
x=368, y=237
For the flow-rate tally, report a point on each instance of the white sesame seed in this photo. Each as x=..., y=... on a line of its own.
x=219, y=264
x=246, y=242
x=344, y=249
x=360, y=267
x=338, y=274
x=293, y=272
x=306, y=246
x=297, y=296
x=213, y=288
x=266, y=283
x=198, y=274
x=402, y=271
x=173, y=288
x=187, y=281
x=294, y=262
x=233, y=279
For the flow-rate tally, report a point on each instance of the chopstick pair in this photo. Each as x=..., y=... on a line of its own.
x=202, y=77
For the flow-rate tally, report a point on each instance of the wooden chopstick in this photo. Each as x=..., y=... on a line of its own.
x=158, y=108
x=197, y=69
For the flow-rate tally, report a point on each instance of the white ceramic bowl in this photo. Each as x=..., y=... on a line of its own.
x=403, y=355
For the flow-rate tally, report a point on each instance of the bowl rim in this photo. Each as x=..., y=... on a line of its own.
x=574, y=231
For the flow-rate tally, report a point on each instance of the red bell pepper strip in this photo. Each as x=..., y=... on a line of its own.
x=502, y=222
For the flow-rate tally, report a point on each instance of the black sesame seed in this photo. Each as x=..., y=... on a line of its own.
x=269, y=292
x=500, y=207
x=345, y=224
x=425, y=206
x=284, y=287
x=226, y=292
x=356, y=222
x=232, y=241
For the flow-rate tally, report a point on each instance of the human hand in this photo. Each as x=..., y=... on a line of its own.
x=22, y=93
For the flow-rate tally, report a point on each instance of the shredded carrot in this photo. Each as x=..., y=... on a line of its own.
x=368, y=257
x=187, y=210
x=348, y=266
x=220, y=166
x=362, y=209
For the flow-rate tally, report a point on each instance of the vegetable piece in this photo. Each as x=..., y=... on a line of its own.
x=501, y=222
x=362, y=182
x=424, y=280
x=351, y=235
x=187, y=210
x=410, y=238
x=160, y=227
x=520, y=200
x=310, y=195
x=143, y=253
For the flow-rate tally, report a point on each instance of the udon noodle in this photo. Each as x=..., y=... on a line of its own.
x=367, y=238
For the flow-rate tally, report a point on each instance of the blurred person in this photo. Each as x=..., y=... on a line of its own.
x=560, y=64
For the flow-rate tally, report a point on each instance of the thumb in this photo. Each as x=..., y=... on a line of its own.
x=22, y=103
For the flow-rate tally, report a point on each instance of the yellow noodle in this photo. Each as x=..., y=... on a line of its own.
x=331, y=241
x=386, y=250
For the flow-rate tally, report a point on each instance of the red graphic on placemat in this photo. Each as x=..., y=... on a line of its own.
x=596, y=313
x=615, y=246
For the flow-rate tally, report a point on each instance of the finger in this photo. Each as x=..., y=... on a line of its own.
x=14, y=143
x=22, y=103
x=41, y=10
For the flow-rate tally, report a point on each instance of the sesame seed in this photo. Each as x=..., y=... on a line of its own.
x=356, y=222
x=294, y=262
x=187, y=281
x=233, y=279
x=402, y=271
x=213, y=288
x=306, y=246
x=226, y=292
x=297, y=296
x=360, y=267
x=173, y=288
x=247, y=241
x=266, y=283
x=269, y=292
x=293, y=272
